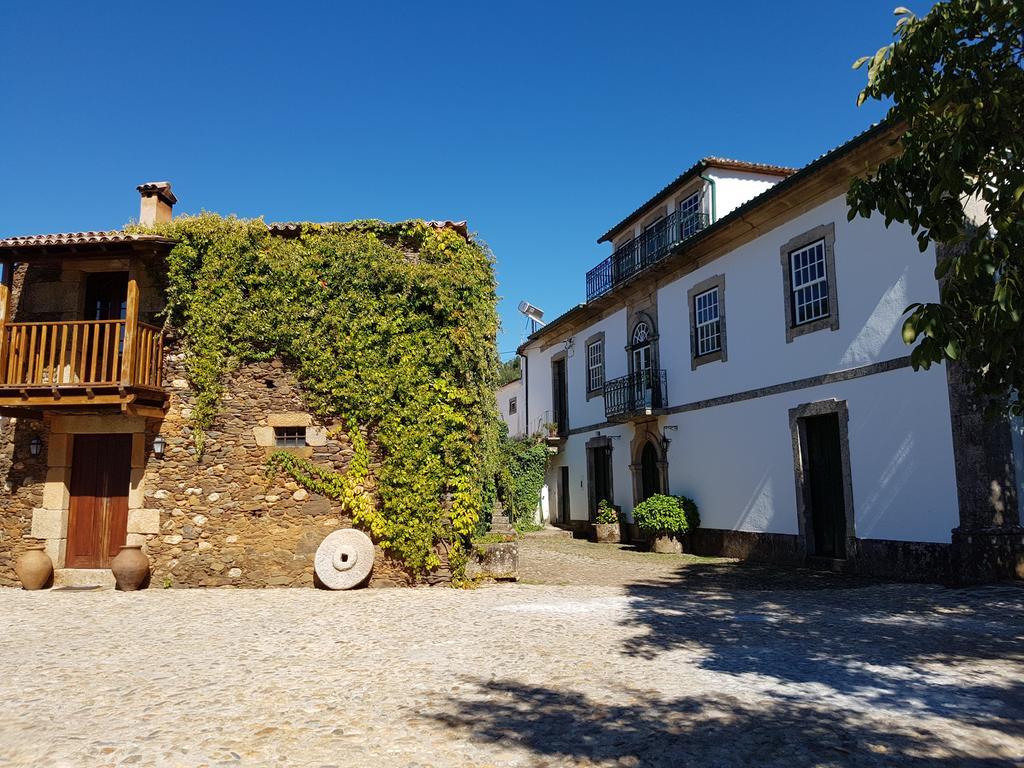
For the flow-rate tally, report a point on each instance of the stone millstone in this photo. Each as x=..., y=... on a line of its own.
x=344, y=559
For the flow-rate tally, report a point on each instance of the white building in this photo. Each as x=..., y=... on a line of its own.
x=742, y=346
x=510, y=402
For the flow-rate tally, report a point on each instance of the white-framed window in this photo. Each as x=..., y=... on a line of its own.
x=595, y=366
x=809, y=283
x=707, y=322
x=689, y=220
x=512, y=406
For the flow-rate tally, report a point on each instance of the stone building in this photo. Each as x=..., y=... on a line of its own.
x=96, y=447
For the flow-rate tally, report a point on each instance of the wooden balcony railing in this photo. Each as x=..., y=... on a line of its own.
x=84, y=353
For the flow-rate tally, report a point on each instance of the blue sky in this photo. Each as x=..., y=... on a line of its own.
x=541, y=123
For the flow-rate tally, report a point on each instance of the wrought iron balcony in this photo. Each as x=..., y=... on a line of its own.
x=639, y=394
x=643, y=251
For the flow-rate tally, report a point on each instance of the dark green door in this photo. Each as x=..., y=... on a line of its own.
x=650, y=477
x=825, y=486
x=602, y=463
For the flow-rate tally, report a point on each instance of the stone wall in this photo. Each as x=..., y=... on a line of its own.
x=213, y=520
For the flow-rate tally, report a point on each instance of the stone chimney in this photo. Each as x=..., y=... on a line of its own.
x=157, y=201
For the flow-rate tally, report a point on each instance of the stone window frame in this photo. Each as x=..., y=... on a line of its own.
x=798, y=431
x=721, y=354
x=591, y=340
x=826, y=232
x=264, y=434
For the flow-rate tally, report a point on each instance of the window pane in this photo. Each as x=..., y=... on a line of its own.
x=809, y=283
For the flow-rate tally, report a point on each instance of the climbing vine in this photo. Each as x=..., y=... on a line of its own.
x=390, y=330
x=521, y=467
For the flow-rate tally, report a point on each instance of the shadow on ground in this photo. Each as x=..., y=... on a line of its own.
x=561, y=727
x=886, y=644
x=815, y=669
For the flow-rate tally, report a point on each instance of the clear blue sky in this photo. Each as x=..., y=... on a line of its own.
x=541, y=123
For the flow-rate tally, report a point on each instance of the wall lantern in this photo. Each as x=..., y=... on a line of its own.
x=35, y=447
x=159, y=446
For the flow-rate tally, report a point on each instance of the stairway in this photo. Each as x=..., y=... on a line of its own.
x=500, y=522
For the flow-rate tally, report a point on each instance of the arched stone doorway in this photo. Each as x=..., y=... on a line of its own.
x=650, y=464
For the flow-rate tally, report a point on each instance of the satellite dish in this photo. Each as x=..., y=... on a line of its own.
x=534, y=313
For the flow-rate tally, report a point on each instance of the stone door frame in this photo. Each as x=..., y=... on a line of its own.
x=50, y=521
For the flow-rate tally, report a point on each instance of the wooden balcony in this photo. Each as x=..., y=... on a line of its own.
x=81, y=364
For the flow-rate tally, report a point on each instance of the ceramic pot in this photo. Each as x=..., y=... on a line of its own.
x=34, y=567
x=606, y=533
x=130, y=567
x=667, y=544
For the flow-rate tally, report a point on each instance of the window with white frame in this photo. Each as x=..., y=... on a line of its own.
x=707, y=322
x=689, y=221
x=595, y=366
x=512, y=406
x=809, y=283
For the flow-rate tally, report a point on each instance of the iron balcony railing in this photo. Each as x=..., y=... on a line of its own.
x=643, y=393
x=641, y=252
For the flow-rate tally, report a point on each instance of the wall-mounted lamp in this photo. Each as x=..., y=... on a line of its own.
x=159, y=446
x=35, y=447
x=664, y=437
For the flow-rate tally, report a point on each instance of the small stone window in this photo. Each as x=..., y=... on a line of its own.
x=290, y=437
x=512, y=406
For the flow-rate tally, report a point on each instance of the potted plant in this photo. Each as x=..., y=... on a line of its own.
x=606, y=523
x=666, y=519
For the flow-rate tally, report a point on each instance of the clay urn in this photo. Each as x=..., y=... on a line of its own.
x=34, y=567
x=667, y=544
x=130, y=567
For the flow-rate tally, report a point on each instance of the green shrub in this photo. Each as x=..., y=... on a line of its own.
x=666, y=514
x=690, y=510
x=606, y=514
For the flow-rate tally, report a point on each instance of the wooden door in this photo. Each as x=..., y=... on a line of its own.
x=563, y=494
x=825, y=486
x=602, y=464
x=650, y=474
x=106, y=298
x=98, y=519
x=560, y=396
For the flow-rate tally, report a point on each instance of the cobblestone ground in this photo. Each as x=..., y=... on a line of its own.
x=700, y=664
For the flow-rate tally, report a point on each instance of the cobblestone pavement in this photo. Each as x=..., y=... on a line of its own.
x=707, y=664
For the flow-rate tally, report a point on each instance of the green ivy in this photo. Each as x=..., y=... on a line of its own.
x=521, y=466
x=390, y=329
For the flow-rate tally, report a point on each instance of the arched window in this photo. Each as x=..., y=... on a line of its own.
x=641, y=359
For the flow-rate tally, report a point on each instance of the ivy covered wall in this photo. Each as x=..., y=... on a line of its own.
x=389, y=329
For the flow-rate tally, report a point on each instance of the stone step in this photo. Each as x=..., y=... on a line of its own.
x=550, y=530
x=78, y=578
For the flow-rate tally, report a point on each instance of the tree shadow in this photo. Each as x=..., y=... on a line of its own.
x=955, y=653
x=568, y=727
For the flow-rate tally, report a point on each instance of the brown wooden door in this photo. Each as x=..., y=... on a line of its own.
x=98, y=520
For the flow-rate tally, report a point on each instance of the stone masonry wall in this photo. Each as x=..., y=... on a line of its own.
x=218, y=519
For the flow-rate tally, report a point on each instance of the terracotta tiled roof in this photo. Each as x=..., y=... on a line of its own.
x=692, y=172
x=80, y=238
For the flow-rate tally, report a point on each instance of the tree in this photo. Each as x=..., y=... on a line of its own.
x=509, y=371
x=956, y=81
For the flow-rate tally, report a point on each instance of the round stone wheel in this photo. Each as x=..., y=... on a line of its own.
x=344, y=559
